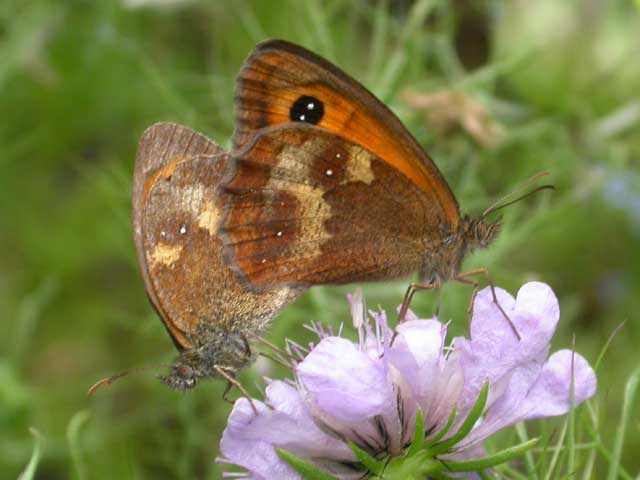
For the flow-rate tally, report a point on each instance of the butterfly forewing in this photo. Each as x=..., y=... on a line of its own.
x=309, y=206
x=282, y=83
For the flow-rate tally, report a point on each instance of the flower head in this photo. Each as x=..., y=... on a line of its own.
x=368, y=396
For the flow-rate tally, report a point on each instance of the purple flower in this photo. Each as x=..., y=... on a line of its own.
x=370, y=393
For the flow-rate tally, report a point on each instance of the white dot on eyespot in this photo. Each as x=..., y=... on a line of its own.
x=329, y=172
x=163, y=234
x=183, y=230
x=311, y=106
x=279, y=234
x=338, y=155
x=302, y=117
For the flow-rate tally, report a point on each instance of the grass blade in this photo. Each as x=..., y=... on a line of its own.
x=73, y=438
x=30, y=470
x=629, y=394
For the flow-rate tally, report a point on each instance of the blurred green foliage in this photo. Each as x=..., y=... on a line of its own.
x=79, y=82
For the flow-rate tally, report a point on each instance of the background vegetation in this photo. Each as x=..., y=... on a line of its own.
x=552, y=85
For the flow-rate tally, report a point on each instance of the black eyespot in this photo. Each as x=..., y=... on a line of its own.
x=307, y=109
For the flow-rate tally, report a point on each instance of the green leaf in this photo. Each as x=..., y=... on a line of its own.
x=491, y=460
x=372, y=464
x=467, y=425
x=306, y=469
x=30, y=470
x=418, y=436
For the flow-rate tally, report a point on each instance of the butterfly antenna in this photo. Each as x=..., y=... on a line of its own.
x=499, y=205
x=106, y=382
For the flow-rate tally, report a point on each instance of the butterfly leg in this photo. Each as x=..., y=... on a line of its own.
x=464, y=278
x=247, y=348
x=279, y=351
x=406, y=302
x=232, y=382
x=408, y=297
x=275, y=360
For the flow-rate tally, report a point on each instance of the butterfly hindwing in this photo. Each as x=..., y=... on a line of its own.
x=162, y=148
x=178, y=204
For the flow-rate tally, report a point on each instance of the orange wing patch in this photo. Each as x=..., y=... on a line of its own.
x=277, y=74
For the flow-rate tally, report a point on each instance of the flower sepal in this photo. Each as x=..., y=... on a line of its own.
x=422, y=463
x=474, y=415
x=308, y=470
x=373, y=465
x=490, y=461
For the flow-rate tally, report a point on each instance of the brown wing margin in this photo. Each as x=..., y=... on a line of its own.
x=160, y=149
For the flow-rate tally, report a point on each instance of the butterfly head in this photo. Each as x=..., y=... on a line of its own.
x=185, y=372
x=229, y=352
x=473, y=233
x=480, y=233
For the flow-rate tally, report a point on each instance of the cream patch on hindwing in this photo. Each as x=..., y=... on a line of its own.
x=358, y=166
x=311, y=206
x=198, y=201
x=165, y=254
x=209, y=217
x=168, y=240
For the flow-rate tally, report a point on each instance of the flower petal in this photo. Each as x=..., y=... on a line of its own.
x=343, y=381
x=249, y=440
x=550, y=395
x=249, y=451
x=494, y=351
x=547, y=396
x=424, y=340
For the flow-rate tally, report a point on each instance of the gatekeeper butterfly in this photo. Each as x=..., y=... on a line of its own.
x=328, y=187
x=324, y=185
x=177, y=205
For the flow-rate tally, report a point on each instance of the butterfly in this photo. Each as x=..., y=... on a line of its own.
x=206, y=309
x=326, y=186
